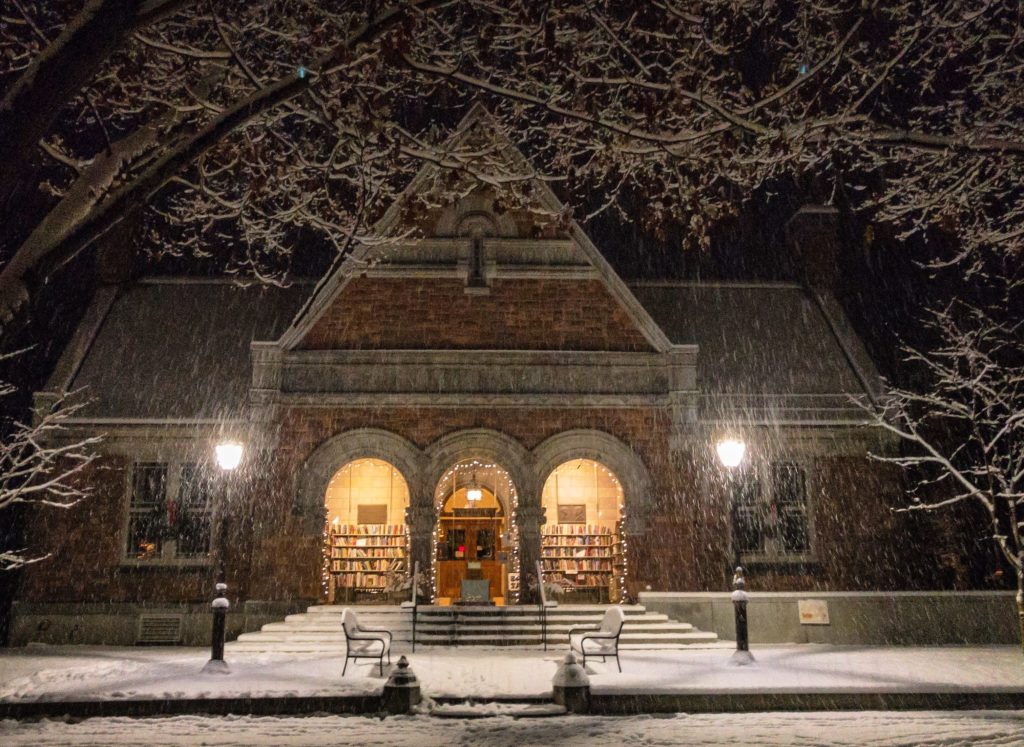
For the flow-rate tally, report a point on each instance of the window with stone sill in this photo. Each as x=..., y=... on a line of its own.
x=169, y=513
x=770, y=514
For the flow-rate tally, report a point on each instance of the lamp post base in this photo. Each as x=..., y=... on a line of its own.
x=216, y=666
x=742, y=659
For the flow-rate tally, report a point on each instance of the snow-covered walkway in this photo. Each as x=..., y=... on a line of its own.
x=870, y=729
x=42, y=673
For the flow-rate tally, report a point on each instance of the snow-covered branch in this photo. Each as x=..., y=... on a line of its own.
x=40, y=463
x=963, y=427
x=914, y=112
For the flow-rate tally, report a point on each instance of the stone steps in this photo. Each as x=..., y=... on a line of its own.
x=319, y=628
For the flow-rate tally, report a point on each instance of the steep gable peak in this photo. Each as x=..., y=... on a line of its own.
x=480, y=212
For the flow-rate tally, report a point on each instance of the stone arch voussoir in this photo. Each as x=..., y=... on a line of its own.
x=334, y=453
x=612, y=453
x=482, y=443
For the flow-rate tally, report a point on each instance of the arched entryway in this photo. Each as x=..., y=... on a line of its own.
x=583, y=543
x=366, y=541
x=476, y=548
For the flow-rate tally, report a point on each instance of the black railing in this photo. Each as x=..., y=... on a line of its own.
x=415, y=599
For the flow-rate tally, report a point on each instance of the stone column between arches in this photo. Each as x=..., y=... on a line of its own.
x=530, y=519
x=421, y=518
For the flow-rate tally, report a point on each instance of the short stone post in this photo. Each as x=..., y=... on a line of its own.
x=571, y=685
x=220, y=607
x=742, y=654
x=402, y=690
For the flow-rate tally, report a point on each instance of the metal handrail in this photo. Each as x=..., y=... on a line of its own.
x=543, y=606
x=415, y=599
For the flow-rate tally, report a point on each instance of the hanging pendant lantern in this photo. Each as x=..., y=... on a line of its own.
x=473, y=492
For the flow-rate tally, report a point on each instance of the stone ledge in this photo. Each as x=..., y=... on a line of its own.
x=621, y=704
x=855, y=618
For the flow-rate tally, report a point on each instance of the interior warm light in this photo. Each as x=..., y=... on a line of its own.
x=731, y=451
x=229, y=454
x=474, y=493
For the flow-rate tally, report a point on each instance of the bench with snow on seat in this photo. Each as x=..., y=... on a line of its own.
x=364, y=643
x=603, y=642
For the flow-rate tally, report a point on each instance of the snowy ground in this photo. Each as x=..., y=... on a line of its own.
x=874, y=729
x=92, y=673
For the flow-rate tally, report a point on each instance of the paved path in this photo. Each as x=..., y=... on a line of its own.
x=79, y=672
x=870, y=729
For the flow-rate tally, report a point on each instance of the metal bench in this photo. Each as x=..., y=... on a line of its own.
x=364, y=643
x=603, y=642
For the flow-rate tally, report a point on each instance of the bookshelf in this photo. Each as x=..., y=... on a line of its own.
x=365, y=560
x=585, y=559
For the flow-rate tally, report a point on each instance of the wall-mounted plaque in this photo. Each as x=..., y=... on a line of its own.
x=813, y=611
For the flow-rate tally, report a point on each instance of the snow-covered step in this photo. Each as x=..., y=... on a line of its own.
x=319, y=628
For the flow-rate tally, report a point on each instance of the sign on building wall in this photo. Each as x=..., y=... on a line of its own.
x=813, y=611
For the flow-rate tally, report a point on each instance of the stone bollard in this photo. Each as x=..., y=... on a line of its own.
x=220, y=607
x=571, y=686
x=402, y=690
x=742, y=655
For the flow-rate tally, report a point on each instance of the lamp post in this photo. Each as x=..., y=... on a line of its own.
x=730, y=453
x=229, y=456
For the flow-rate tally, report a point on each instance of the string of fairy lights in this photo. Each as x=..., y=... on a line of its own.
x=620, y=529
x=494, y=477
x=498, y=478
x=337, y=481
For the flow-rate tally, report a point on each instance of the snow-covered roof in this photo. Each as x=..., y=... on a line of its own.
x=763, y=339
x=178, y=349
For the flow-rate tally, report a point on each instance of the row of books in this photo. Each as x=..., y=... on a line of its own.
x=368, y=529
x=350, y=553
x=603, y=540
x=362, y=581
x=580, y=581
x=574, y=566
x=379, y=565
x=576, y=529
x=354, y=540
x=569, y=552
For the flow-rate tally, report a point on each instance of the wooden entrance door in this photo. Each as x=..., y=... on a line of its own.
x=469, y=549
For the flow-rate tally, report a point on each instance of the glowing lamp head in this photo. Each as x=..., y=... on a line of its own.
x=229, y=454
x=730, y=452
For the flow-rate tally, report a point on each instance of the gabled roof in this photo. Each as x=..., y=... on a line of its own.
x=176, y=349
x=329, y=288
x=775, y=346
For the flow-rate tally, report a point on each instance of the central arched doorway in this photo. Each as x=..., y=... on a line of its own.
x=476, y=552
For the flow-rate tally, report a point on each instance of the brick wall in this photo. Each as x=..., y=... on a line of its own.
x=303, y=430
x=84, y=543
x=861, y=543
x=404, y=314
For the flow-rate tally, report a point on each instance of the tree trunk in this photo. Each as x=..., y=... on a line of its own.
x=59, y=73
x=142, y=189
x=32, y=104
x=1020, y=617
